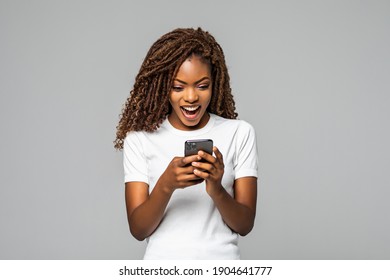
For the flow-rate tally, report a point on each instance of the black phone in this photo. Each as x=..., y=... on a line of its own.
x=191, y=147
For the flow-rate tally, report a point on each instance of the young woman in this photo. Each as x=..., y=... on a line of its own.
x=190, y=207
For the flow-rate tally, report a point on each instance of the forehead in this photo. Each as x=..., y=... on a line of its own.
x=194, y=66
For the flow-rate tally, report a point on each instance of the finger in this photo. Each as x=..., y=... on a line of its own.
x=202, y=174
x=189, y=159
x=189, y=178
x=191, y=183
x=189, y=169
x=218, y=154
x=197, y=181
x=203, y=166
x=207, y=157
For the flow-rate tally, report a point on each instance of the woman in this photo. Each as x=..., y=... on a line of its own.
x=190, y=207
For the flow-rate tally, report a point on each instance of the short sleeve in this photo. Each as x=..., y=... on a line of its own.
x=246, y=152
x=134, y=160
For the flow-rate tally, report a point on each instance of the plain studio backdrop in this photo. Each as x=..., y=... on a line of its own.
x=312, y=77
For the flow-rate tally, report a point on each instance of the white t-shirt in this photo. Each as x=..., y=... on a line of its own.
x=192, y=227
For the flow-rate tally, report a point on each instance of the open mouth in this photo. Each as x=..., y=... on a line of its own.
x=190, y=111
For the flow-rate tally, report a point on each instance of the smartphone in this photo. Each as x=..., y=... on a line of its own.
x=191, y=147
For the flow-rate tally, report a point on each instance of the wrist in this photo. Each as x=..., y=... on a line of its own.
x=216, y=191
x=165, y=188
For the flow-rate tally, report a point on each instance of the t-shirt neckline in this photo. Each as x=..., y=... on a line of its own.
x=209, y=125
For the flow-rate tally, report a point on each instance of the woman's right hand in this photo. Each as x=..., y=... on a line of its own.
x=180, y=174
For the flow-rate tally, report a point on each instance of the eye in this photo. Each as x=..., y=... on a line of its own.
x=177, y=88
x=203, y=86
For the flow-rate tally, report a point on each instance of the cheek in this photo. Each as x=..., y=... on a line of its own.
x=208, y=99
x=172, y=100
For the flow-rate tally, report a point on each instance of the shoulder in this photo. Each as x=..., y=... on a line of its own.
x=133, y=136
x=145, y=140
x=141, y=135
x=136, y=140
x=233, y=124
x=132, y=144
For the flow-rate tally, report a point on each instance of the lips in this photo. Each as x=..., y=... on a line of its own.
x=190, y=112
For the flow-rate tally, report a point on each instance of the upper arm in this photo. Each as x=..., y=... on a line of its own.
x=136, y=193
x=245, y=192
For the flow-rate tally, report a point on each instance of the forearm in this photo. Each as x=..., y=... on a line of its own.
x=238, y=212
x=145, y=211
x=237, y=216
x=146, y=217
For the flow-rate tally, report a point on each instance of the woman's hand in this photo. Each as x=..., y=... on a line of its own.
x=239, y=211
x=180, y=174
x=211, y=170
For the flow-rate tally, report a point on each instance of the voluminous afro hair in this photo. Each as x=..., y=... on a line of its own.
x=148, y=104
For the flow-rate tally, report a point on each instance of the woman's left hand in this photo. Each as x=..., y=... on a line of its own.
x=211, y=170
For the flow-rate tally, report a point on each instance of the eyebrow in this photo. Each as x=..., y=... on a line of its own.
x=204, y=78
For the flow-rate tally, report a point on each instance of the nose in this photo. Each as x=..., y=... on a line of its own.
x=191, y=95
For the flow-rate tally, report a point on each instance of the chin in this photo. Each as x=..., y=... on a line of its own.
x=190, y=124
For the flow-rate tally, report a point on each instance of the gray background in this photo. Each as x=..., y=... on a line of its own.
x=311, y=76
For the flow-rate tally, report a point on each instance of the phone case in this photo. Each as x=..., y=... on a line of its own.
x=191, y=147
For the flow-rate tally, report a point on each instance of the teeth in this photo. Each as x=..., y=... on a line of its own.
x=192, y=108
